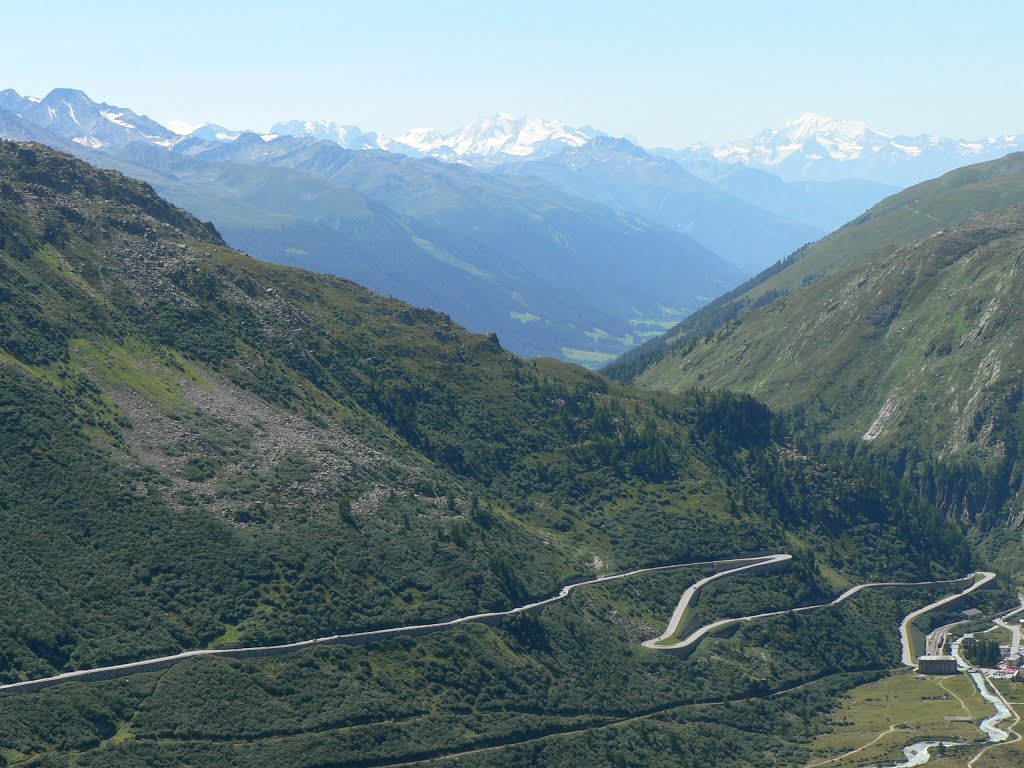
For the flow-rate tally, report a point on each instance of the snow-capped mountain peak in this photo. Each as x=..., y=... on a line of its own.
x=182, y=127
x=502, y=136
x=214, y=132
x=812, y=135
x=421, y=137
x=817, y=146
x=814, y=124
x=499, y=135
x=72, y=115
x=348, y=136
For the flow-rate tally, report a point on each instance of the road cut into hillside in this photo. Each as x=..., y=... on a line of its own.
x=723, y=568
x=980, y=579
x=728, y=565
x=688, y=644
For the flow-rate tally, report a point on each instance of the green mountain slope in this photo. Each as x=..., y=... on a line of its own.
x=199, y=449
x=917, y=211
x=926, y=208
x=915, y=352
x=551, y=273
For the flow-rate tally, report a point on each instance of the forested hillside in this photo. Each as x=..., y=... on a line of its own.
x=912, y=357
x=201, y=449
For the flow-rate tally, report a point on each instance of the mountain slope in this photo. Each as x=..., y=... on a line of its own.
x=914, y=352
x=624, y=177
x=73, y=116
x=203, y=449
x=16, y=128
x=497, y=253
x=823, y=204
x=916, y=212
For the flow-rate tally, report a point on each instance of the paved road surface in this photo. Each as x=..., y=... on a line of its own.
x=908, y=655
x=690, y=642
x=691, y=594
x=357, y=638
x=728, y=567
x=1013, y=626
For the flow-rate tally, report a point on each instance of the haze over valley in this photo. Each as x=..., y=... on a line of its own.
x=669, y=229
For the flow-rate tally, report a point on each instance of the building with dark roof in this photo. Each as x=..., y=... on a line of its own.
x=936, y=665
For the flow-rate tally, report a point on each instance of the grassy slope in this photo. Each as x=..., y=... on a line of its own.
x=919, y=348
x=914, y=708
x=917, y=211
x=201, y=448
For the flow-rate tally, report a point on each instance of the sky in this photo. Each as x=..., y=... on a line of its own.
x=666, y=73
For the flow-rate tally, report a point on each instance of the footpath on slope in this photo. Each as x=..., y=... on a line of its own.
x=685, y=646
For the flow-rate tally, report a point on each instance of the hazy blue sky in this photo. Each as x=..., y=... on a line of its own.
x=669, y=73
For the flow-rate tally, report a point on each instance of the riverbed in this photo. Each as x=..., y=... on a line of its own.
x=920, y=753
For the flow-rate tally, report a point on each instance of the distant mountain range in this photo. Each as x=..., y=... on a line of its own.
x=501, y=136
x=74, y=116
x=484, y=140
x=563, y=240
x=347, y=136
x=552, y=273
x=813, y=147
x=625, y=177
x=820, y=148
x=202, y=450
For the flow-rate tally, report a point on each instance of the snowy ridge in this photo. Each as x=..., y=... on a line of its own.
x=499, y=137
x=72, y=115
x=502, y=134
x=815, y=146
x=348, y=136
x=214, y=132
x=813, y=135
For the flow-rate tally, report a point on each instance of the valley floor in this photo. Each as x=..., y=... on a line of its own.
x=878, y=721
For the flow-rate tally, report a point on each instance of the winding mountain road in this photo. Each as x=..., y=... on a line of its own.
x=1015, y=629
x=693, y=639
x=908, y=653
x=359, y=638
x=690, y=596
x=724, y=567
